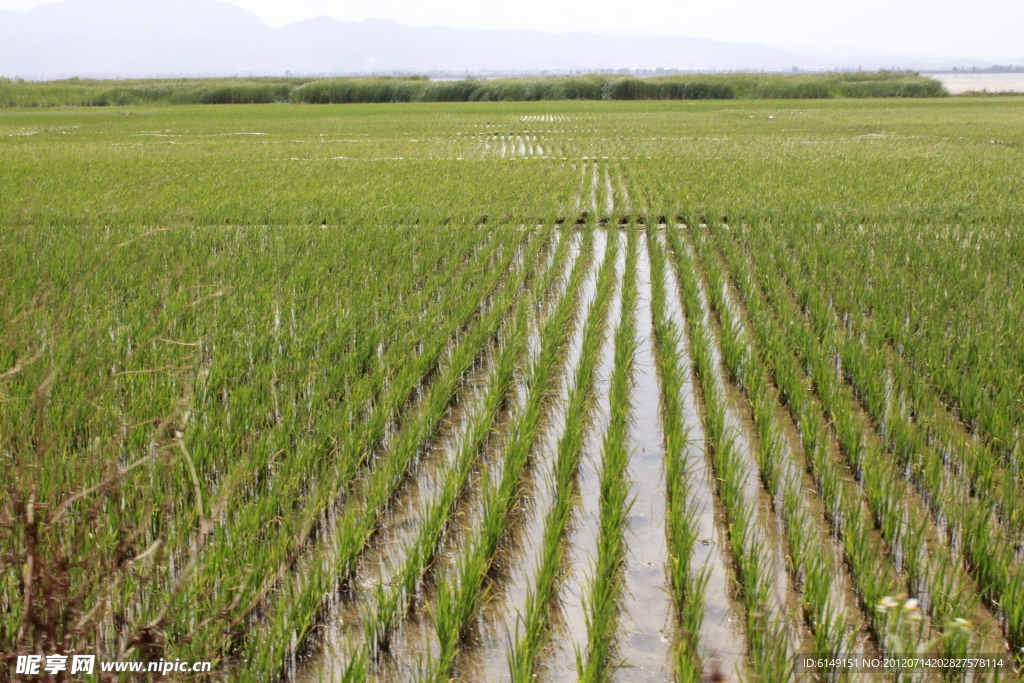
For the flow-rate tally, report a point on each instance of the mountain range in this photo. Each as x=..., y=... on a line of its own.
x=146, y=38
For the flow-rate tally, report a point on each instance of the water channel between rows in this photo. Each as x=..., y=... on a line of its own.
x=647, y=624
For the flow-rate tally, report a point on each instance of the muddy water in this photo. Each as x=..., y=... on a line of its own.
x=570, y=631
x=647, y=625
x=488, y=659
x=722, y=638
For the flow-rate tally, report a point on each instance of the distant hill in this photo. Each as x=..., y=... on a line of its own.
x=129, y=38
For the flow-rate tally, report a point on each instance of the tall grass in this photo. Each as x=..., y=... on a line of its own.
x=91, y=93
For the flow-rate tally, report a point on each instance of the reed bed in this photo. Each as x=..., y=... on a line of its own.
x=99, y=93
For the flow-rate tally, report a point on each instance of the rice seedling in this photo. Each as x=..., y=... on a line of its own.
x=390, y=603
x=936, y=574
x=534, y=635
x=460, y=595
x=768, y=647
x=235, y=339
x=596, y=662
x=947, y=493
x=824, y=610
x=688, y=582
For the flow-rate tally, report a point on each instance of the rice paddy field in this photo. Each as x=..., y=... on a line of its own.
x=538, y=391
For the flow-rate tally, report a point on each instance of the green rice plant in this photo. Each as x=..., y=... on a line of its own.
x=337, y=558
x=688, y=583
x=871, y=570
x=226, y=330
x=766, y=635
x=195, y=457
x=883, y=488
x=534, y=634
x=460, y=594
x=916, y=453
x=389, y=605
x=824, y=614
x=604, y=589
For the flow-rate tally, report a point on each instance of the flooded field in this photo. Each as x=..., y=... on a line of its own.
x=603, y=392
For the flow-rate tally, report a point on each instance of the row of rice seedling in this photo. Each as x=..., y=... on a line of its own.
x=935, y=576
x=946, y=335
x=131, y=376
x=390, y=601
x=521, y=560
x=887, y=383
x=768, y=646
x=344, y=556
x=569, y=617
x=534, y=631
x=971, y=523
x=603, y=591
x=828, y=616
x=448, y=475
x=688, y=582
x=871, y=565
x=290, y=479
x=648, y=624
x=460, y=593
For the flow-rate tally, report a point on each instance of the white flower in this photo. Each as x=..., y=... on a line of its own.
x=887, y=603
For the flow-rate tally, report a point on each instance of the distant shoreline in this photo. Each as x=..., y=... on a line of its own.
x=981, y=82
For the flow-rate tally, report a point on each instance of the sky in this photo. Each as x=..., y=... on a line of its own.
x=979, y=29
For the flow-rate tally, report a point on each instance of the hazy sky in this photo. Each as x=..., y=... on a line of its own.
x=982, y=29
